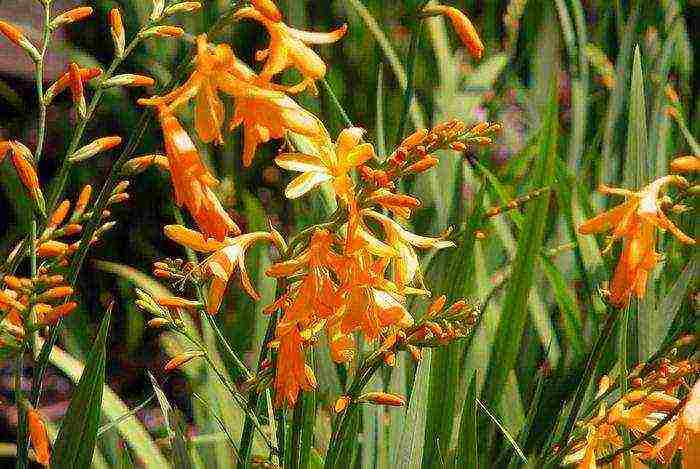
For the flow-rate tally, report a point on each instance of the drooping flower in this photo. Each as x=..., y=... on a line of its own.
x=293, y=374
x=265, y=113
x=333, y=163
x=636, y=221
x=406, y=263
x=192, y=180
x=463, y=27
x=289, y=47
x=227, y=256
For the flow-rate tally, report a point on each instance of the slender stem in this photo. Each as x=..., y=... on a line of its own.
x=22, y=449
x=416, y=31
x=588, y=374
x=231, y=353
x=297, y=424
x=336, y=102
x=624, y=324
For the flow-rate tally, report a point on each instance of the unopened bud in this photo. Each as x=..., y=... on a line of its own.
x=341, y=404
x=177, y=302
x=22, y=160
x=141, y=163
x=423, y=165
x=95, y=147
x=59, y=214
x=70, y=16
x=56, y=293
x=415, y=139
x=183, y=7
x=14, y=35
x=117, y=29
x=686, y=164
x=129, y=79
x=39, y=437
x=81, y=204
x=163, y=31
x=59, y=312
x=157, y=323
x=77, y=91
x=383, y=398
x=181, y=359
x=121, y=187
x=458, y=146
x=463, y=27
x=64, y=82
x=72, y=229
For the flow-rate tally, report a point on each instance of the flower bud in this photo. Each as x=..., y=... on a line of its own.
x=183, y=7
x=177, y=302
x=76, y=87
x=72, y=229
x=59, y=214
x=415, y=139
x=59, y=312
x=83, y=200
x=157, y=323
x=52, y=249
x=70, y=16
x=117, y=29
x=686, y=164
x=14, y=35
x=341, y=404
x=95, y=147
x=141, y=163
x=423, y=165
x=129, y=79
x=64, y=81
x=56, y=293
x=383, y=398
x=463, y=27
x=181, y=359
x=39, y=437
x=163, y=31
x=22, y=161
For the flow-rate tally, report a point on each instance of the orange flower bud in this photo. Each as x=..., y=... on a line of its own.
x=56, y=293
x=141, y=163
x=415, y=139
x=95, y=147
x=71, y=16
x=6, y=300
x=181, y=359
x=310, y=377
x=159, y=273
x=14, y=35
x=39, y=437
x=163, y=31
x=76, y=87
x=13, y=282
x=268, y=9
x=177, y=302
x=383, y=398
x=59, y=214
x=72, y=229
x=60, y=312
x=118, y=198
x=4, y=149
x=52, y=249
x=41, y=310
x=341, y=404
x=64, y=81
x=436, y=306
x=157, y=323
x=21, y=159
x=458, y=146
x=183, y=7
x=463, y=27
x=129, y=79
x=83, y=200
x=423, y=165
x=685, y=164
x=117, y=29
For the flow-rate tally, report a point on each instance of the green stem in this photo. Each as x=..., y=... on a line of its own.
x=410, y=67
x=297, y=424
x=22, y=438
x=336, y=102
x=622, y=353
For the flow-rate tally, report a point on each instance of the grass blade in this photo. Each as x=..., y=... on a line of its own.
x=467, y=448
x=504, y=430
x=180, y=454
x=76, y=440
x=410, y=451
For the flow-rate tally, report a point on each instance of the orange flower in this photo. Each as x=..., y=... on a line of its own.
x=288, y=46
x=686, y=164
x=265, y=113
x=635, y=221
x=332, y=163
x=192, y=180
x=293, y=374
x=228, y=255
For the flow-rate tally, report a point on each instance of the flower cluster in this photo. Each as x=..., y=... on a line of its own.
x=652, y=409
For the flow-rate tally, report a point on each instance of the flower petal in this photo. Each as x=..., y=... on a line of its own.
x=310, y=37
x=300, y=162
x=192, y=239
x=304, y=183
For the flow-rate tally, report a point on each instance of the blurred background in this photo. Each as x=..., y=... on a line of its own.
x=527, y=43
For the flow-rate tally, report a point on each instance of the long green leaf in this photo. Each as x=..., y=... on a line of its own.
x=512, y=324
x=76, y=440
x=467, y=448
x=180, y=456
x=410, y=451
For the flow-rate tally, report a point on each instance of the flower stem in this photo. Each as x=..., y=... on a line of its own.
x=22, y=448
x=416, y=31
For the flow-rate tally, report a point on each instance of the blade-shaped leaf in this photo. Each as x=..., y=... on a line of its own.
x=467, y=448
x=410, y=451
x=76, y=440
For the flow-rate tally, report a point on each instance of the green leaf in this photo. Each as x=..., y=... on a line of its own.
x=636, y=167
x=467, y=448
x=76, y=440
x=179, y=456
x=410, y=451
x=503, y=429
x=568, y=306
x=512, y=324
